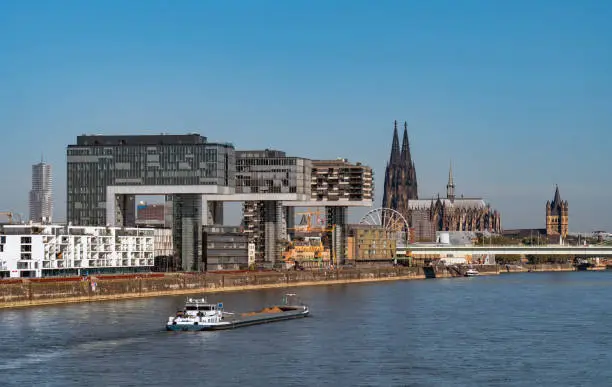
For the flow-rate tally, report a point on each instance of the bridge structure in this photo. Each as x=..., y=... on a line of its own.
x=450, y=250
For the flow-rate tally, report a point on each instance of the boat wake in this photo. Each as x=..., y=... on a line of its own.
x=44, y=356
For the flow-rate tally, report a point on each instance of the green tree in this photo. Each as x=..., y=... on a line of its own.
x=505, y=259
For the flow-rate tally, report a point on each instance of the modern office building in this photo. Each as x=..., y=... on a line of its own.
x=337, y=185
x=270, y=175
x=41, y=194
x=105, y=173
x=46, y=250
x=226, y=248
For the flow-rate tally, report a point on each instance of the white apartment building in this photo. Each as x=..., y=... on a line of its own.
x=46, y=250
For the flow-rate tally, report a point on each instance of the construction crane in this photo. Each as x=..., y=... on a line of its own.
x=9, y=215
x=306, y=221
x=317, y=249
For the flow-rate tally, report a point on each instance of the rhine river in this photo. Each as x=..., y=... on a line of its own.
x=514, y=329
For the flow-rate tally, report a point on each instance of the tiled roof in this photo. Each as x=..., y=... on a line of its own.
x=420, y=204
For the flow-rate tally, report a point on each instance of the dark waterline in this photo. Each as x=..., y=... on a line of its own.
x=516, y=329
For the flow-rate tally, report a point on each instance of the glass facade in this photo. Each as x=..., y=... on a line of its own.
x=96, y=162
x=271, y=172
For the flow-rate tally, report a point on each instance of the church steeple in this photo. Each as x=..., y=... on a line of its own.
x=400, y=176
x=395, y=150
x=405, y=155
x=557, y=198
x=450, y=187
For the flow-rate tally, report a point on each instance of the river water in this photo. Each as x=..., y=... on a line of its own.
x=513, y=329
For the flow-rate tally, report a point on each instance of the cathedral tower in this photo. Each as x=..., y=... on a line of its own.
x=557, y=216
x=450, y=187
x=400, y=175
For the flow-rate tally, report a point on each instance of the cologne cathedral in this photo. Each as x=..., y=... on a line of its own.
x=427, y=216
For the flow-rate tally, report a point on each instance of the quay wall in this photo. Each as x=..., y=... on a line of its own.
x=536, y=268
x=24, y=292
x=30, y=292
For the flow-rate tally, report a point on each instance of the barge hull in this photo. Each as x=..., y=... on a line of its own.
x=238, y=323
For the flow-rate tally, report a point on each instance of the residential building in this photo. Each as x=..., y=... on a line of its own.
x=46, y=250
x=340, y=180
x=368, y=243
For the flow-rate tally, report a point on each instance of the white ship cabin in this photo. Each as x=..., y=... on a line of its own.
x=201, y=307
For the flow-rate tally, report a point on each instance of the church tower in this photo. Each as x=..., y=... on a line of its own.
x=557, y=216
x=400, y=175
x=450, y=187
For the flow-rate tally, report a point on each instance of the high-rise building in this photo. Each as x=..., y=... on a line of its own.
x=273, y=173
x=41, y=194
x=400, y=176
x=557, y=216
x=105, y=173
x=139, y=161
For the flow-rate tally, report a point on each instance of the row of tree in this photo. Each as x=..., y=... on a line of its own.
x=515, y=259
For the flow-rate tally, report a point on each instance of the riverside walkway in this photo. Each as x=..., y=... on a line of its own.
x=590, y=251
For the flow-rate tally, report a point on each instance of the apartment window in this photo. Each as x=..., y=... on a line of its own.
x=2, y=239
x=26, y=239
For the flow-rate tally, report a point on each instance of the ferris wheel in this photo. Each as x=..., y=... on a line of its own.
x=386, y=218
x=390, y=220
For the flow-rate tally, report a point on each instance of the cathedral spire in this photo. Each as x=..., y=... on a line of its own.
x=395, y=151
x=405, y=155
x=450, y=187
x=557, y=199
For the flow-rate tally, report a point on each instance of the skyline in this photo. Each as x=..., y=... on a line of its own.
x=502, y=90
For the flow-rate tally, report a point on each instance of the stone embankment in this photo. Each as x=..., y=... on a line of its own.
x=24, y=292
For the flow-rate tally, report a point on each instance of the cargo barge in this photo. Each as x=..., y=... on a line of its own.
x=199, y=315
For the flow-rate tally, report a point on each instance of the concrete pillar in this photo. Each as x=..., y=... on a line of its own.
x=216, y=211
x=337, y=218
x=125, y=211
x=186, y=228
x=272, y=219
x=168, y=211
x=290, y=221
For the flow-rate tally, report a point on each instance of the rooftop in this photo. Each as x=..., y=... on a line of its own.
x=146, y=139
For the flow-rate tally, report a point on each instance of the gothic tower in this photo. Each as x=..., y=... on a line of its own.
x=557, y=216
x=400, y=175
x=450, y=187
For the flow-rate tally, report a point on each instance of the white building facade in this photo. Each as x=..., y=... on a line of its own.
x=47, y=250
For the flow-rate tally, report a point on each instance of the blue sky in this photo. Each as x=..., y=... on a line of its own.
x=518, y=94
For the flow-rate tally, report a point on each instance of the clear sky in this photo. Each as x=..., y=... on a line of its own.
x=517, y=93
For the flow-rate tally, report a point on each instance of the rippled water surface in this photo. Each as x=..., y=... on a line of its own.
x=514, y=329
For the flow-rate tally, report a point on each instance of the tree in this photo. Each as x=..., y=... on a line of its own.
x=505, y=259
x=542, y=259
